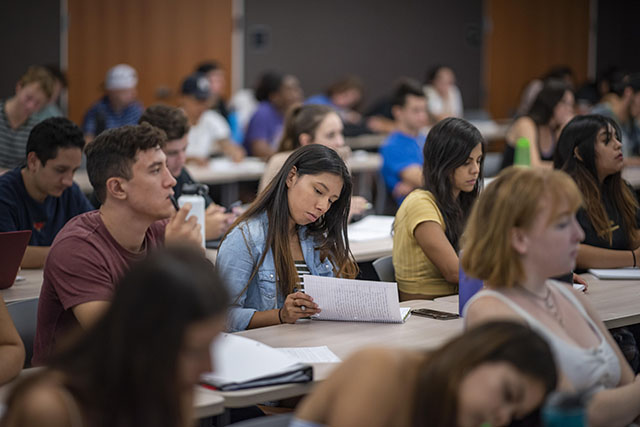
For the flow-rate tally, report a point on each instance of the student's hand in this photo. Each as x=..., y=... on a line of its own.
x=198, y=161
x=402, y=189
x=179, y=230
x=296, y=306
x=236, y=153
x=217, y=221
x=581, y=281
x=358, y=205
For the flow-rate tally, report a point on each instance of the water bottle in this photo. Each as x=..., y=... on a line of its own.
x=565, y=409
x=522, y=156
x=193, y=194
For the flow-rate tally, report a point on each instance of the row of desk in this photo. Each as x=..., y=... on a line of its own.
x=222, y=171
x=616, y=301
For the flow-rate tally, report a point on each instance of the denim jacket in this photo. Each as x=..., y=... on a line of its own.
x=237, y=257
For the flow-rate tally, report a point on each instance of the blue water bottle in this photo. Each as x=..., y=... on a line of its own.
x=565, y=409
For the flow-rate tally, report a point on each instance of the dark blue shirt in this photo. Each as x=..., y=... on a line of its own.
x=101, y=116
x=18, y=211
x=400, y=151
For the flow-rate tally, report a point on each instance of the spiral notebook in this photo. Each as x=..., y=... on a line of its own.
x=355, y=300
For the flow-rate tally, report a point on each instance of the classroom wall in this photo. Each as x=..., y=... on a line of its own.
x=524, y=39
x=618, y=41
x=30, y=31
x=162, y=39
x=379, y=40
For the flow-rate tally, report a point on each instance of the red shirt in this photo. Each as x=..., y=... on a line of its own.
x=84, y=264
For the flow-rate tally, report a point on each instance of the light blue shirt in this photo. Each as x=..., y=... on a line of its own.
x=237, y=258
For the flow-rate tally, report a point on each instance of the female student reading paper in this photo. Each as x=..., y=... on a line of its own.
x=310, y=124
x=490, y=375
x=139, y=363
x=523, y=230
x=430, y=220
x=296, y=226
x=589, y=149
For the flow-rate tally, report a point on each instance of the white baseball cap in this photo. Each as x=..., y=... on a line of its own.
x=122, y=76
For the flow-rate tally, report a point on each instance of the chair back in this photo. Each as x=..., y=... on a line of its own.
x=384, y=269
x=25, y=315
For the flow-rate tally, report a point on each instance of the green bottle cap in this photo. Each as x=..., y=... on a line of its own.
x=522, y=156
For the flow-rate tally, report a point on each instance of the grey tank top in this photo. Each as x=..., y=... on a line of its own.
x=588, y=369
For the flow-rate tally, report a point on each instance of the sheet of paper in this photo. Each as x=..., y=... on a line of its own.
x=320, y=354
x=371, y=227
x=240, y=359
x=354, y=300
x=616, y=273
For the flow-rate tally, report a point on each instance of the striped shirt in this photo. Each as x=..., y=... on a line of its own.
x=13, y=142
x=301, y=269
x=101, y=117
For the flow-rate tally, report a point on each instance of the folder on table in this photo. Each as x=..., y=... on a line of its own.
x=241, y=363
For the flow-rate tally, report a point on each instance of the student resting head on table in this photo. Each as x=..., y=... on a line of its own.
x=310, y=124
x=430, y=220
x=296, y=226
x=522, y=231
x=589, y=149
x=138, y=365
x=490, y=375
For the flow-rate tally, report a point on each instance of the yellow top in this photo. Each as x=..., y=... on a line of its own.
x=415, y=273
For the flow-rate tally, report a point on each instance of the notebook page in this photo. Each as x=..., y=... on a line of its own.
x=320, y=354
x=354, y=300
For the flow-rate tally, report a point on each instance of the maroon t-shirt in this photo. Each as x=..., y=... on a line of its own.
x=84, y=264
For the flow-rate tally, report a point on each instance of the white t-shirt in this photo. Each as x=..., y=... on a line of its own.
x=204, y=137
x=437, y=105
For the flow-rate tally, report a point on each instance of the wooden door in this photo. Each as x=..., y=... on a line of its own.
x=524, y=39
x=162, y=39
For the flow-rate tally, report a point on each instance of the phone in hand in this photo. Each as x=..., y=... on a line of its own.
x=434, y=314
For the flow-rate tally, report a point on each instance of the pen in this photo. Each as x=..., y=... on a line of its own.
x=175, y=202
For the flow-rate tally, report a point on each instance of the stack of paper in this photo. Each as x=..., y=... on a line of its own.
x=371, y=227
x=241, y=363
x=616, y=273
x=355, y=300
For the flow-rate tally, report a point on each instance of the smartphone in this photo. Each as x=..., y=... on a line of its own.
x=434, y=314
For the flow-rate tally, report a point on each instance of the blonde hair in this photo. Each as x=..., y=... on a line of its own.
x=40, y=75
x=513, y=200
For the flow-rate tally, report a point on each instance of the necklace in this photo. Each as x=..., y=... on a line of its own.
x=549, y=302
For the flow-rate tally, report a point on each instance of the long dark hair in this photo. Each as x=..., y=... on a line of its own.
x=124, y=370
x=448, y=146
x=552, y=92
x=442, y=372
x=581, y=134
x=329, y=231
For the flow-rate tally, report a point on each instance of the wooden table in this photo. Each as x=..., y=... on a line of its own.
x=617, y=302
x=28, y=288
x=344, y=338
